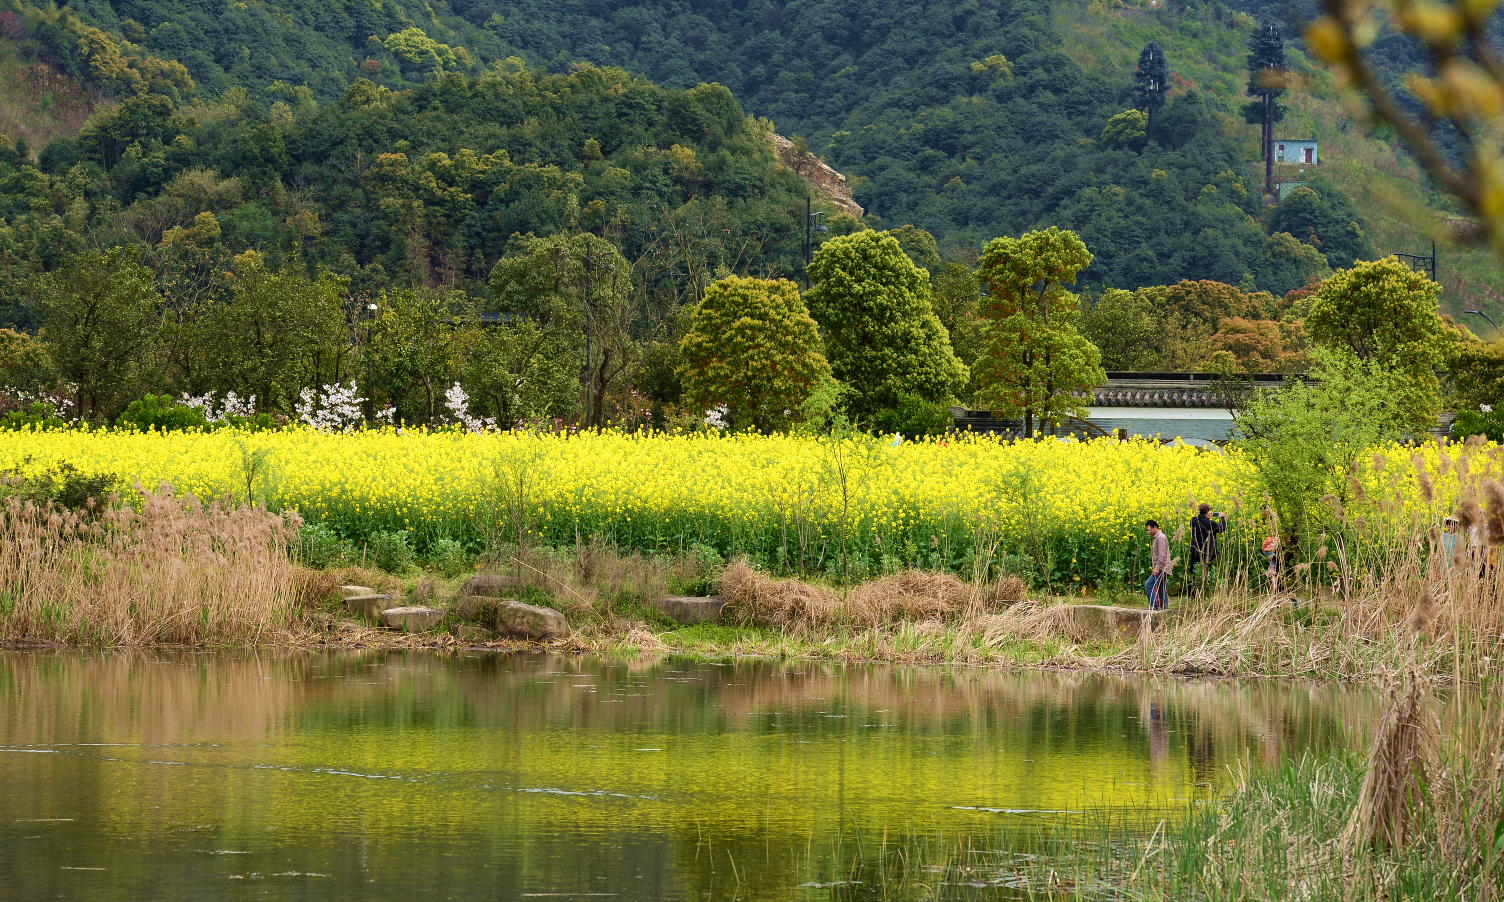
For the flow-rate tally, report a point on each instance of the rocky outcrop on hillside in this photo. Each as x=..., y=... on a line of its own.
x=825, y=181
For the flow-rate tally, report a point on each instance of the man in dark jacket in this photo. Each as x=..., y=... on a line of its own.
x=1205, y=527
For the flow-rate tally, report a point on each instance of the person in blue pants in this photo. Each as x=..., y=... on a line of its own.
x=1157, y=586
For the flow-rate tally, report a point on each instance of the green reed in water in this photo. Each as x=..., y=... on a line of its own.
x=1306, y=829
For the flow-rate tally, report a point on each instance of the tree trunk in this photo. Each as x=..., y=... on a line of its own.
x=1028, y=424
x=1149, y=138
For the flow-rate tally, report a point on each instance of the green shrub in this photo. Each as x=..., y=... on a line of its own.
x=321, y=547
x=162, y=413
x=1479, y=422
x=914, y=417
x=448, y=557
x=37, y=415
x=702, y=574
x=390, y=551
x=63, y=485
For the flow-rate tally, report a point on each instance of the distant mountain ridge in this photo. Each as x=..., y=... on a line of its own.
x=968, y=118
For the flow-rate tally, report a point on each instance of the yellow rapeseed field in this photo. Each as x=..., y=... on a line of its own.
x=785, y=500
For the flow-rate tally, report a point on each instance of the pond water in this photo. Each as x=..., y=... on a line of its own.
x=405, y=776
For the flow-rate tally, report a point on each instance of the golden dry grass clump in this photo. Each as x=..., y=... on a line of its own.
x=169, y=571
x=794, y=606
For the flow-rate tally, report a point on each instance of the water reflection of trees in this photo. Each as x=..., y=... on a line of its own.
x=764, y=760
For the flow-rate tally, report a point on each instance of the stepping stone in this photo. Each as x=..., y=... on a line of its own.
x=370, y=605
x=412, y=619
x=689, y=609
x=348, y=591
x=1098, y=621
x=492, y=585
x=525, y=621
x=469, y=632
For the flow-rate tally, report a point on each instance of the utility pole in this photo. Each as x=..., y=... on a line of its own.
x=1269, y=144
x=1430, y=262
x=812, y=224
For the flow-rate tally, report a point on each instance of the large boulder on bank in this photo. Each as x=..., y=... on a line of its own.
x=1099, y=621
x=414, y=619
x=689, y=609
x=492, y=585
x=525, y=621
x=347, y=591
x=476, y=608
x=369, y=605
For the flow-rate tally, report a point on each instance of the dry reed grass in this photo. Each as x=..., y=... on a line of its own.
x=1393, y=789
x=796, y=607
x=168, y=571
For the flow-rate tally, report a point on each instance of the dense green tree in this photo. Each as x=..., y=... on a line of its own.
x=1475, y=376
x=25, y=365
x=954, y=296
x=98, y=322
x=1034, y=361
x=1303, y=439
x=1332, y=226
x=565, y=287
x=1289, y=264
x=408, y=357
x=1122, y=326
x=520, y=372
x=1385, y=314
x=753, y=349
x=274, y=335
x=1127, y=130
x=882, y=338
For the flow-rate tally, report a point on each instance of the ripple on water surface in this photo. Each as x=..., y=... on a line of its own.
x=398, y=776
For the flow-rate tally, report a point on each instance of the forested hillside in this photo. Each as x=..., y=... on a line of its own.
x=424, y=187
x=402, y=146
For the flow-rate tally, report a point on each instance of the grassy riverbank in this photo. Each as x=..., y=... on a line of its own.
x=172, y=571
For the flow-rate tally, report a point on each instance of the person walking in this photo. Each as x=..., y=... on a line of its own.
x=1205, y=527
x=1156, y=587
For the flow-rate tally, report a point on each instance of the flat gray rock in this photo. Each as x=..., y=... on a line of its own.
x=492, y=585
x=412, y=619
x=1098, y=621
x=348, y=591
x=525, y=621
x=690, y=609
x=370, y=605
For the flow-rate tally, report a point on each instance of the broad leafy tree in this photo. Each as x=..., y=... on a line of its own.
x=752, y=348
x=1323, y=218
x=1303, y=439
x=1122, y=326
x=276, y=334
x=409, y=349
x=1384, y=313
x=1034, y=362
x=566, y=287
x=882, y=337
x=99, y=316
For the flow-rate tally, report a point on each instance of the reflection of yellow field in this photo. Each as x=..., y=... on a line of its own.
x=394, y=743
